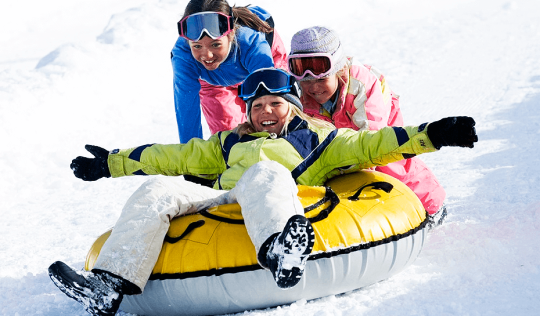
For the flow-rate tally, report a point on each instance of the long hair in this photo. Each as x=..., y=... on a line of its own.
x=344, y=73
x=242, y=15
x=317, y=122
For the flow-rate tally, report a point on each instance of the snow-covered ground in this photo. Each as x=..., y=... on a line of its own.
x=75, y=72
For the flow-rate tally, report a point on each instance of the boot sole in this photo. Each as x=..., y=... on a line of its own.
x=58, y=275
x=297, y=242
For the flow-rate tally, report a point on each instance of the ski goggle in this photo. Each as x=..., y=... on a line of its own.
x=214, y=24
x=318, y=65
x=272, y=79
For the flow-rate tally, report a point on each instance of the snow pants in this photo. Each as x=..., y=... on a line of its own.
x=221, y=106
x=266, y=193
x=414, y=172
x=420, y=179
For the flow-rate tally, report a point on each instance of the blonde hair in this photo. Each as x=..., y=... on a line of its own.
x=317, y=122
x=343, y=73
x=248, y=128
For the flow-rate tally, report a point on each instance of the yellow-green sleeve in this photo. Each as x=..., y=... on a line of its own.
x=197, y=157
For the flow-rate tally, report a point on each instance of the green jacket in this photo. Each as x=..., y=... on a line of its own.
x=312, y=155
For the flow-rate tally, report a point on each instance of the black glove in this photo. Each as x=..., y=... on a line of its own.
x=453, y=131
x=91, y=169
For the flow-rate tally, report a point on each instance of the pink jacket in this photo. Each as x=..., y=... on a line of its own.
x=367, y=103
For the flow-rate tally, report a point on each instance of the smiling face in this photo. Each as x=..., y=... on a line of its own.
x=269, y=113
x=321, y=90
x=209, y=52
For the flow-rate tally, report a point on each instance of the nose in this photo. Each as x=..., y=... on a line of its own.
x=315, y=87
x=207, y=54
x=267, y=108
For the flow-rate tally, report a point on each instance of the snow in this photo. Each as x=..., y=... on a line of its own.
x=77, y=72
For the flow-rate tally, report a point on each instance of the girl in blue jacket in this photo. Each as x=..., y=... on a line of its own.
x=218, y=47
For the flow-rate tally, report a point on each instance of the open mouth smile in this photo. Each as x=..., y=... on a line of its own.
x=268, y=123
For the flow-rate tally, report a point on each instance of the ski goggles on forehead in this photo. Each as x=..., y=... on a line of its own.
x=317, y=65
x=214, y=24
x=271, y=79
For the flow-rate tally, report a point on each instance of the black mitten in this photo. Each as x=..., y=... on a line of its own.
x=91, y=169
x=453, y=131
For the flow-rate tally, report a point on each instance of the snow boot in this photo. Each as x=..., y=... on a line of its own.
x=285, y=254
x=438, y=218
x=100, y=292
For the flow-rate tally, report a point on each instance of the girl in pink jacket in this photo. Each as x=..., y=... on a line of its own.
x=357, y=97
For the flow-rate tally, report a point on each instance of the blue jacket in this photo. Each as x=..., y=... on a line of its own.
x=250, y=52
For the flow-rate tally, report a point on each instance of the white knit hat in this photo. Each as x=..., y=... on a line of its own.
x=319, y=39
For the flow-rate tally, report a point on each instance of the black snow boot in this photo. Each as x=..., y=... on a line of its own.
x=100, y=292
x=438, y=218
x=286, y=253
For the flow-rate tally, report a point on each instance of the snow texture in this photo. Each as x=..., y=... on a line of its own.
x=98, y=72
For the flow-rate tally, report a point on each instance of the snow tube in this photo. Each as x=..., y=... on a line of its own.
x=368, y=227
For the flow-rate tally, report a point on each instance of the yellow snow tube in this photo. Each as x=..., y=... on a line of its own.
x=356, y=215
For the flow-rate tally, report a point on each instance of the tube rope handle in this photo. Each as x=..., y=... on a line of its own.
x=381, y=185
x=189, y=229
x=329, y=195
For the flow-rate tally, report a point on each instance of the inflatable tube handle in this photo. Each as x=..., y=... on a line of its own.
x=191, y=227
x=334, y=201
x=205, y=213
x=382, y=185
x=329, y=195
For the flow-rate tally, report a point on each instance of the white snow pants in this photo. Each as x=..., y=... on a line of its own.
x=266, y=193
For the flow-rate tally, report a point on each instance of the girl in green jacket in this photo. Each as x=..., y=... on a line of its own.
x=257, y=165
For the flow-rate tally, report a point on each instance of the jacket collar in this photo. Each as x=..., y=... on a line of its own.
x=297, y=123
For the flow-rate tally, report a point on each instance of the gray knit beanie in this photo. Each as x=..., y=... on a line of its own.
x=319, y=39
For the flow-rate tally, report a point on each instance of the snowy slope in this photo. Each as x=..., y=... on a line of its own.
x=77, y=72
